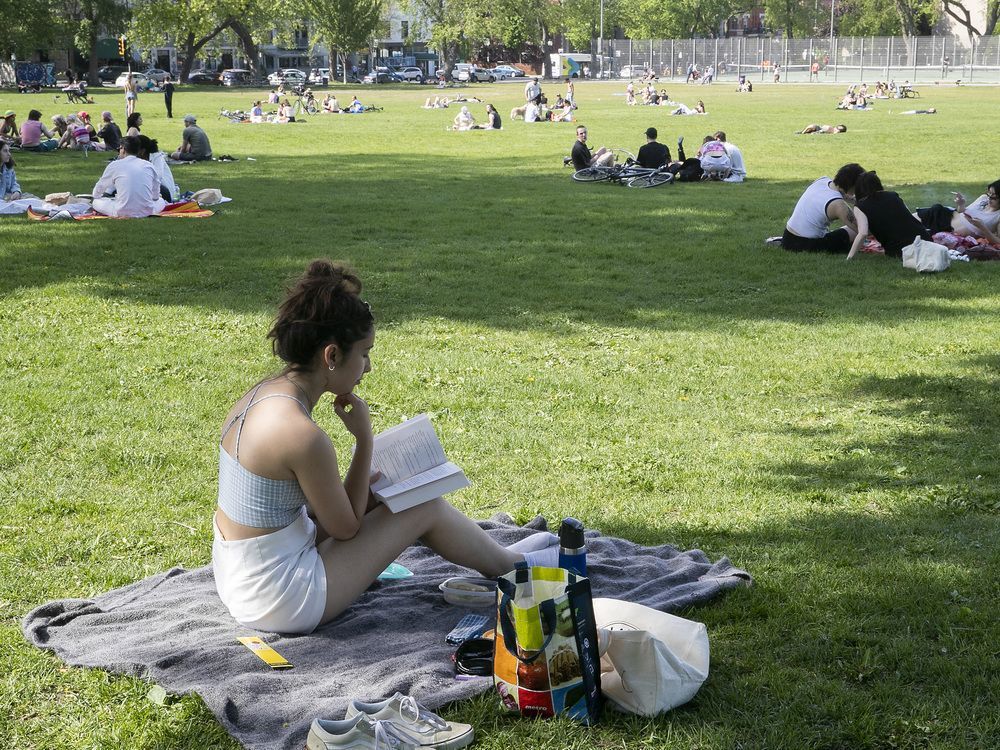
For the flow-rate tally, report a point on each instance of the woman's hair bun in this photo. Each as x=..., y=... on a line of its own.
x=323, y=307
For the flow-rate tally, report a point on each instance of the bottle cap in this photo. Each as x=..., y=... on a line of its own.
x=571, y=534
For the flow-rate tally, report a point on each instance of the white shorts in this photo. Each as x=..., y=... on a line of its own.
x=275, y=582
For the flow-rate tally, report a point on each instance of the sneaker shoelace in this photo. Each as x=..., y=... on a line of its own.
x=413, y=712
x=387, y=736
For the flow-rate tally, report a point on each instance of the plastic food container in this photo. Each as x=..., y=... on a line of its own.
x=470, y=592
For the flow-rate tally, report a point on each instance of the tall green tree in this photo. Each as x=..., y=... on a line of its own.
x=346, y=26
x=194, y=24
x=91, y=19
x=655, y=19
x=25, y=27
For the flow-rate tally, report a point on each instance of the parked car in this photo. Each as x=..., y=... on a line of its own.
x=138, y=79
x=287, y=75
x=156, y=74
x=632, y=71
x=382, y=75
x=503, y=72
x=109, y=73
x=416, y=75
x=204, y=78
x=237, y=77
x=471, y=73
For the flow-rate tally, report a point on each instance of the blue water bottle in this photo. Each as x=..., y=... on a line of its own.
x=572, y=547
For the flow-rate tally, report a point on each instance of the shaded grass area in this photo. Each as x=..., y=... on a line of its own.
x=635, y=358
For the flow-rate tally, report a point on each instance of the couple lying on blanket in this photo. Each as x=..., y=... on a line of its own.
x=880, y=213
x=294, y=544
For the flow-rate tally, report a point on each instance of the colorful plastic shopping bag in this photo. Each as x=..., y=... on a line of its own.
x=546, y=659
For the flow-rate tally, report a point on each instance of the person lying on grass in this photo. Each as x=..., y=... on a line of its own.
x=883, y=215
x=821, y=129
x=981, y=218
x=825, y=200
x=295, y=544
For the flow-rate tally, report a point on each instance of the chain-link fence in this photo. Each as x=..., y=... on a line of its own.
x=823, y=59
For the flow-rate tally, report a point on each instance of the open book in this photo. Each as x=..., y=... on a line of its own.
x=413, y=465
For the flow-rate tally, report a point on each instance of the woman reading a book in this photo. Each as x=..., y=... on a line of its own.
x=295, y=544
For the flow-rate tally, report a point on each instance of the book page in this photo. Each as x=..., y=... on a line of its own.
x=418, y=480
x=405, y=450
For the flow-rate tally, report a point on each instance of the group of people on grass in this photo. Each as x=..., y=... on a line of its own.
x=76, y=131
x=857, y=199
x=465, y=121
x=716, y=158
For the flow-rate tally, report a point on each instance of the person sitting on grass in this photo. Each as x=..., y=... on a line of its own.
x=273, y=97
x=285, y=112
x=464, y=120
x=493, y=121
x=883, y=215
x=149, y=150
x=9, y=131
x=133, y=124
x=10, y=189
x=294, y=543
x=583, y=158
x=825, y=200
x=981, y=218
x=330, y=104
x=79, y=135
x=821, y=129
x=653, y=154
x=59, y=129
x=110, y=133
x=562, y=115
x=355, y=107
x=739, y=170
x=32, y=131
x=130, y=186
x=194, y=142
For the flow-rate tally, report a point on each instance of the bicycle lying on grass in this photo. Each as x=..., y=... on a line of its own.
x=627, y=173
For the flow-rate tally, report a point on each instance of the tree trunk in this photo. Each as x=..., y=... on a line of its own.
x=92, y=66
x=249, y=46
x=192, y=47
x=546, y=57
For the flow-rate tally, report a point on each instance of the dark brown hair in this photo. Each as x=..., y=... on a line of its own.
x=867, y=185
x=847, y=176
x=324, y=307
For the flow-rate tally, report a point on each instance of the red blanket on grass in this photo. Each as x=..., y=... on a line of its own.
x=182, y=210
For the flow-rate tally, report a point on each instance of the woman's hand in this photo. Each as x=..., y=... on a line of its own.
x=353, y=412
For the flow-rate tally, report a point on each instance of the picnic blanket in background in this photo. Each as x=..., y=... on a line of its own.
x=173, y=629
x=959, y=247
x=182, y=210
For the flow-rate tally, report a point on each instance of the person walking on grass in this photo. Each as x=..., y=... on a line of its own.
x=168, y=96
x=295, y=543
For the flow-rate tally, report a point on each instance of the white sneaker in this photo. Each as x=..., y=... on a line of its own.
x=428, y=730
x=357, y=733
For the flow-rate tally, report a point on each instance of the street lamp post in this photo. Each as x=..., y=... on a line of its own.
x=600, y=44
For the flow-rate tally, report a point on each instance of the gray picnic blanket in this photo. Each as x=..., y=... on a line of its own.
x=172, y=629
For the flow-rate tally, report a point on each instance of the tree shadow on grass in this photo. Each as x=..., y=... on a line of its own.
x=480, y=241
x=939, y=459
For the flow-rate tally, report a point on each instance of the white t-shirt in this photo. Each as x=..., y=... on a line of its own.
x=809, y=218
x=980, y=209
x=137, y=187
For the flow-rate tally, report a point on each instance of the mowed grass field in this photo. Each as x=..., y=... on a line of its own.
x=636, y=358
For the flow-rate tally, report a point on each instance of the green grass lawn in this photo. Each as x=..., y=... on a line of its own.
x=637, y=358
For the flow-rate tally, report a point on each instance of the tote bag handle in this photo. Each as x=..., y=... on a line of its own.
x=547, y=609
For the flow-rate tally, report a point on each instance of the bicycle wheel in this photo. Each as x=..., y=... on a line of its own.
x=592, y=174
x=651, y=180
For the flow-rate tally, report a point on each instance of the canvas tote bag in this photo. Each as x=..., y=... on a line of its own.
x=654, y=661
x=925, y=257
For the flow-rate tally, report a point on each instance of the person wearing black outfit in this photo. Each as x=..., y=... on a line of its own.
x=168, y=95
x=583, y=158
x=882, y=214
x=653, y=155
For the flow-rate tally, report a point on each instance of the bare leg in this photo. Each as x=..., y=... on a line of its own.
x=352, y=564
